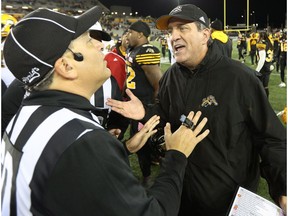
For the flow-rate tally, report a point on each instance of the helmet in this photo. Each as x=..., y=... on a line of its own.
x=7, y=22
x=158, y=143
x=284, y=116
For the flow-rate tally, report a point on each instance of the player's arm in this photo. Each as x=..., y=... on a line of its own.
x=153, y=74
x=262, y=55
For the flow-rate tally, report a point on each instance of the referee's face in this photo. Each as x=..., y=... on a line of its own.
x=92, y=71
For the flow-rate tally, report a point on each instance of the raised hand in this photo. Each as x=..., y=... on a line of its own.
x=185, y=139
x=132, y=109
x=139, y=139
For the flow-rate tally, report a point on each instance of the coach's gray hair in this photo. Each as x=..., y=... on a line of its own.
x=200, y=26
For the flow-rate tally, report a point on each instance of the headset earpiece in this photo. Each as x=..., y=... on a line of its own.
x=77, y=56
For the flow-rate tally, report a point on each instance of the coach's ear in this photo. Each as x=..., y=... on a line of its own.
x=206, y=36
x=65, y=69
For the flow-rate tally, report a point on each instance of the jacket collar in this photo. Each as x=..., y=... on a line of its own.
x=59, y=98
x=212, y=57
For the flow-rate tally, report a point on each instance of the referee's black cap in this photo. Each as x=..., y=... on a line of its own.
x=40, y=38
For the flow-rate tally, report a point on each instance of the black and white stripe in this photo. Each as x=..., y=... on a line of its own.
x=36, y=135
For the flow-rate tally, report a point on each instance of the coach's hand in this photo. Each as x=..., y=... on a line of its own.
x=283, y=203
x=185, y=139
x=132, y=109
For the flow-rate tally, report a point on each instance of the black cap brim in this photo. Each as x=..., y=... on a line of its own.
x=85, y=21
x=104, y=35
x=162, y=22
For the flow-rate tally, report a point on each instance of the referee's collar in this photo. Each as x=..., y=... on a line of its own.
x=60, y=99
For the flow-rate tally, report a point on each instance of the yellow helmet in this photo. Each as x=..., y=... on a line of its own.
x=7, y=21
x=284, y=115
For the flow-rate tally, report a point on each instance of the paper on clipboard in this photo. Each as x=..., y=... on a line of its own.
x=249, y=203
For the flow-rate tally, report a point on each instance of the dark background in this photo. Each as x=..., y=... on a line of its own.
x=272, y=12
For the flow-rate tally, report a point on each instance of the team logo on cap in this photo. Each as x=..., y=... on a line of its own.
x=33, y=74
x=202, y=19
x=176, y=10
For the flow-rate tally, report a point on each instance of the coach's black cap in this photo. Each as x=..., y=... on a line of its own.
x=140, y=26
x=40, y=38
x=188, y=12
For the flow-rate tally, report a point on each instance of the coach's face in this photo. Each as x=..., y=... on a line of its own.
x=188, y=42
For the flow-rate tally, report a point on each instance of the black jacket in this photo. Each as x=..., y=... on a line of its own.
x=246, y=137
x=223, y=42
x=73, y=166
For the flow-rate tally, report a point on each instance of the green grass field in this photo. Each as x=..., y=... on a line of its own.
x=277, y=98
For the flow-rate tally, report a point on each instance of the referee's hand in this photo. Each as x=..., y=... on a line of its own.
x=115, y=132
x=140, y=138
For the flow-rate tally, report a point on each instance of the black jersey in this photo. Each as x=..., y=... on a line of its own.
x=253, y=42
x=283, y=47
x=263, y=44
x=137, y=82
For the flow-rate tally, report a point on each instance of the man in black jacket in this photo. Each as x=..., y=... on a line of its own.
x=220, y=38
x=246, y=138
x=56, y=158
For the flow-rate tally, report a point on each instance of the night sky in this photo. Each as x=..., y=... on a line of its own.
x=274, y=12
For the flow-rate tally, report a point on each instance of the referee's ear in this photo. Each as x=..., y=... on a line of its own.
x=64, y=68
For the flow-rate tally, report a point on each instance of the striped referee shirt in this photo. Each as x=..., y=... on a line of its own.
x=57, y=160
x=34, y=141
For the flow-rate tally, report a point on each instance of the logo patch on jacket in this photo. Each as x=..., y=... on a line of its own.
x=209, y=101
x=150, y=50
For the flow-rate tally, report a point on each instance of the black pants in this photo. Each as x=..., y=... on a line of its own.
x=240, y=53
x=265, y=81
x=253, y=57
x=163, y=49
x=282, y=62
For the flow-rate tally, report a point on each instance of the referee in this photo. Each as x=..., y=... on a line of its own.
x=56, y=159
